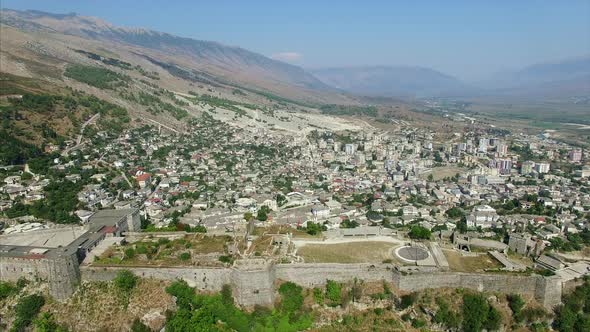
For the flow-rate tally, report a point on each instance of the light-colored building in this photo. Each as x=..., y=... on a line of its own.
x=527, y=167
x=482, y=216
x=542, y=168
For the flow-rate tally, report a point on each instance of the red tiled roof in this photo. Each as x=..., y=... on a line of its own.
x=143, y=177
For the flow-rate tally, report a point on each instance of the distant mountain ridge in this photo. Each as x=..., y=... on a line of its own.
x=392, y=81
x=568, y=77
x=228, y=61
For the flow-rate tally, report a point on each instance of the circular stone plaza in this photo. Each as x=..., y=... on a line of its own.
x=412, y=253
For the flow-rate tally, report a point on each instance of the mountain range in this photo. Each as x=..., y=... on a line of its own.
x=567, y=78
x=227, y=64
x=215, y=63
x=393, y=81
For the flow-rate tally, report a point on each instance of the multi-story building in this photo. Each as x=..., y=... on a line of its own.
x=482, y=216
x=527, y=167
x=542, y=168
x=575, y=155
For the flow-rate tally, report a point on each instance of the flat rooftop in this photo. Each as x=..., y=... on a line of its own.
x=34, y=252
x=45, y=238
x=103, y=218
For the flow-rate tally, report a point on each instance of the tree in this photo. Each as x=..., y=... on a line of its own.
x=516, y=303
x=182, y=292
x=318, y=295
x=445, y=316
x=454, y=213
x=582, y=323
x=565, y=319
x=475, y=312
x=263, y=213
x=291, y=297
x=314, y=228
x=419, y=232
x=462, y=225
x=437, y=157
x=349, y=224
x=356, y=292
x=281, y=200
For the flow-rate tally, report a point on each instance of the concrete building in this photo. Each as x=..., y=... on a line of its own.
x=575, y=155
x=350, y=148
x=483, y=145
x=482, y=216
x=542, y=168
x=527, y=167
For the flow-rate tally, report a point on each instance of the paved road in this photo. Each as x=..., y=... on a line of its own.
x=80, y=136
x=163, y=125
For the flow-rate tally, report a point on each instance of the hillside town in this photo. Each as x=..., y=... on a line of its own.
x=218, y=179
x=188, y=166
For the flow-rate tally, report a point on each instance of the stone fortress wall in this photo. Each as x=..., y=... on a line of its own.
x=253, y=281
x=62, y=273
x=546, y=290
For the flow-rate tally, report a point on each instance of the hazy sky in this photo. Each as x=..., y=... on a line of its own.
x=469, y=39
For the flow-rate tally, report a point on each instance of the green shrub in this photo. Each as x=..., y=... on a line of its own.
x=408, y=300
x=445, y=316
x=334, y=292
x=418, y=323
x=46, y=323
x=26, y=310
x=141, y=249
x=7, y=289
x=478, y=314
x=129, y=253
x=291, y=297
x=516, y=303
x=125, y=281
x=226, y=259
x=318, y=296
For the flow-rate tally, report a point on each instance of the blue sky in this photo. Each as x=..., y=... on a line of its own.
x=468, y=39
